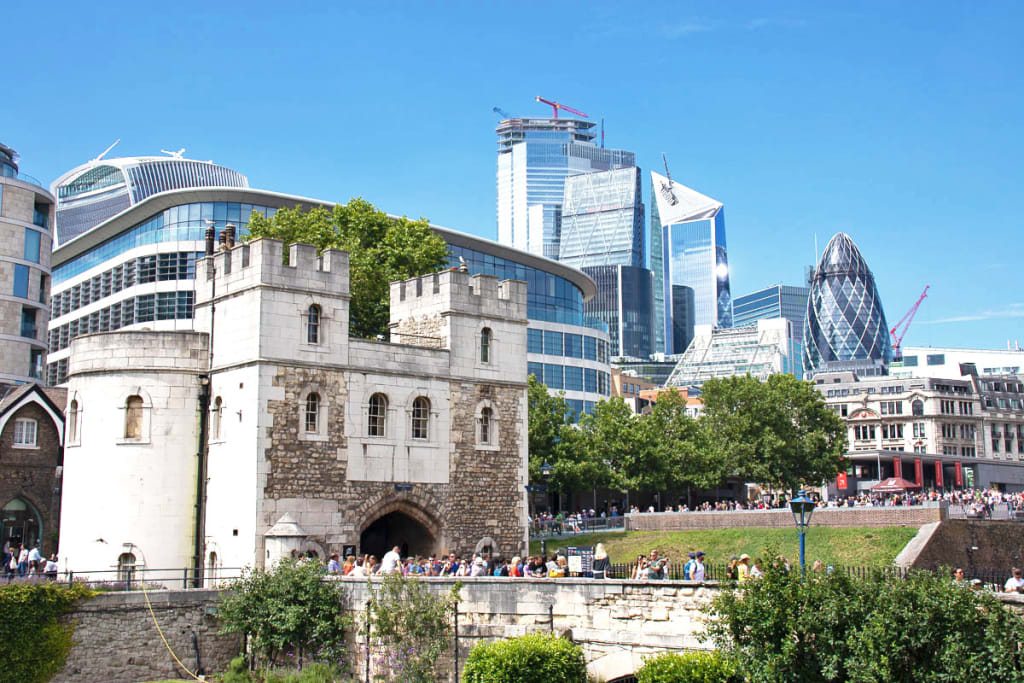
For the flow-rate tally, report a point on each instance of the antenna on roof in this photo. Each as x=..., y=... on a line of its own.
x=104, y=152
x=174, y=155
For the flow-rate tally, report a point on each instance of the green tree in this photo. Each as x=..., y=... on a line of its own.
x=677, y=453
x=287, y=609
x=410, y=627
x=381, y=250
x=549, y=417
x=778, y=432
x=884, y=628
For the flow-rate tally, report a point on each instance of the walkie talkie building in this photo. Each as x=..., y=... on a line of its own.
x=845, y=328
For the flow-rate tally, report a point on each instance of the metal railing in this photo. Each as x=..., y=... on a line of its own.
x=132, y=578
x=551, y=528
x=997, y=511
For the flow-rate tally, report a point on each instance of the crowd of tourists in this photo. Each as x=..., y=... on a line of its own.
x=20, y=562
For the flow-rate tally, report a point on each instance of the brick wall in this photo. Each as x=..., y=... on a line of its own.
x=30, y=473
x=783, y=519
x=983, y=544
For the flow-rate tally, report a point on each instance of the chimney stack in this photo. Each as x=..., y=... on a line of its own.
x=210, y=239
x=229, y=230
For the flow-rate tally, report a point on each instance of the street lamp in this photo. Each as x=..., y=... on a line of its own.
x=545, y=471
x=802, y=508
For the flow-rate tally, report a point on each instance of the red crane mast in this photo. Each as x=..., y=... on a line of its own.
x=908, y=317
x=556, y=106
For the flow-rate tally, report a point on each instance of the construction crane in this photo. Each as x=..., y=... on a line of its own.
x=502, y=113
x=908, y=317
x=556, y=106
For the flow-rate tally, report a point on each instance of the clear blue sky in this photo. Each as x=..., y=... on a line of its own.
x=899, y=123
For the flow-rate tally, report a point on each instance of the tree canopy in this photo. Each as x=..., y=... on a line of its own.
x=381, y=250
x=778, y=432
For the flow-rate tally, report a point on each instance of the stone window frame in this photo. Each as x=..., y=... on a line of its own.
x=418, y=397
x=485, y=348
x=321, y=327
x=387, y=422
x=494, y=442
x=24, y=422
x=74, y=422
x=145, y=422
x=217, y=420
x=322, y=414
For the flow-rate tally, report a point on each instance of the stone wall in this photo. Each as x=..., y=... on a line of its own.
x=982, y=545
x=783, y=519
x=115, y=640
x=616, y=622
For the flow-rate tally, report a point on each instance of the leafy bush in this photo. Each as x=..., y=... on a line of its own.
x=290, y=614
x=533, y=658
x=688, y=667
x=33, y=644
x=410, y=628
x=836, y=628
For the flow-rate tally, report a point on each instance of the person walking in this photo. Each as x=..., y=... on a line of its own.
x=688, y=567
x=743, y=568
x=699, y=571
x=392, y=561
x=657, y=568
x=602, y=565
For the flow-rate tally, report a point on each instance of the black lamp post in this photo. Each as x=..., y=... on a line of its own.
x=803, y=508
x=545, y=471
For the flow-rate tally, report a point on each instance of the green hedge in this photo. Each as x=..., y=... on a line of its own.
x=33, y=644
x=688, y=667
x=534, y=658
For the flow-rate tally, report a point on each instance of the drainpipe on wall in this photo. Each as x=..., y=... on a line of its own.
x=202, y=452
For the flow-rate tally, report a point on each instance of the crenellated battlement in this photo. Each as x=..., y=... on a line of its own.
x=451, y=291
x=261, y=262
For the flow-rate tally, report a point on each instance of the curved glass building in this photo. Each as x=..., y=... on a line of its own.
x=89, y=194
x=845, y=327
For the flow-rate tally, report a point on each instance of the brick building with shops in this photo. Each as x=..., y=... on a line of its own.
x=268, y=431
x=31, y=463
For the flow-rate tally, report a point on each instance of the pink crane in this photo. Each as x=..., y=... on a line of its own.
x=556, y=106
x=908, y=317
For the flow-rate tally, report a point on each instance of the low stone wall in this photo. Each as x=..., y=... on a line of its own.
x=974, y=544
x=783, y=519
x=616, y=622
x=115, y=640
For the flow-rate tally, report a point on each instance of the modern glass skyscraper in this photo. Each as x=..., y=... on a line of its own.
x=658, y=268
x=603, y=220
x=845, y=327
x=776, y=301
x=624, y=300
x=534, y=158
x=694, y=252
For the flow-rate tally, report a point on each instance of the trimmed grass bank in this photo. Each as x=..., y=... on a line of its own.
x=857, y=546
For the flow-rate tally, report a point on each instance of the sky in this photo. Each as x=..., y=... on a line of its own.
x=901, y=124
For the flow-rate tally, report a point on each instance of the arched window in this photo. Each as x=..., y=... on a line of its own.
x=215, y=418
x=73, y=421
x=20, y=524
x=313, y=413
x=486, y=426
x=133, y=417
x=376, y=422
x=917, y=407
x=313, y=325
x=211, y=568
x=125, y=567
x=485, y=345
x=25, y=429
x=420, y=418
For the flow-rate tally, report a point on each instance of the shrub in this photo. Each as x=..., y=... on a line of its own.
x=533, y=658
x=836, y=628
x=33, y=643
x=688, y=667
x=410, y=627
x=290, y=614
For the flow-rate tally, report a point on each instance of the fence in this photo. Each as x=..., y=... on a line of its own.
x=131, y=578
x=549, y=528
x=998, y=511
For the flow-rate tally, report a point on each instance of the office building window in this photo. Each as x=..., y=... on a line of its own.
x=21, y=280
x=32, y=240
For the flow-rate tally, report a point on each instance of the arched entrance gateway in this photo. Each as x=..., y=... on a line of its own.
x=412, y=530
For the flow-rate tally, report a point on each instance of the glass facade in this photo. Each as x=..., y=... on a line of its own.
x=625, y=301
x=777, y=301
x=682, y=317
x=763, y=349
x=603, y=220
x=186, y=222
x=534, y=158
x=845, y=322
x=658, y=269
x=92, y=193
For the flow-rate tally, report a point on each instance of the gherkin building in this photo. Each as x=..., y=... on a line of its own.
x=846, y=327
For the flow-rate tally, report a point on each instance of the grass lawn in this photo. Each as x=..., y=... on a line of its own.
x=859, y=546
